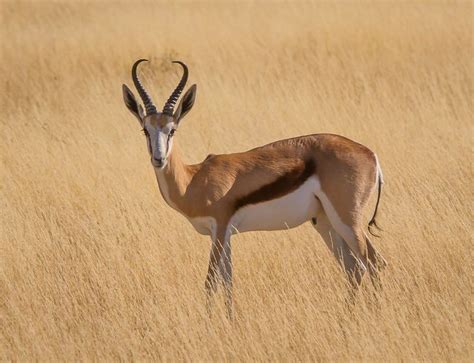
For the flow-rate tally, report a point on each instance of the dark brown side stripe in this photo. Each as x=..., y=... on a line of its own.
x=280, y=187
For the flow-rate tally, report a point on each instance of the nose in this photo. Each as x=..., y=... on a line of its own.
x=157, y=161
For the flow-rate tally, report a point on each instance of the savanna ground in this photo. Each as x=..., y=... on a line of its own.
x=94, y=265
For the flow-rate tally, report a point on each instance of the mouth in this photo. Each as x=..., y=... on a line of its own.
x=158, y=164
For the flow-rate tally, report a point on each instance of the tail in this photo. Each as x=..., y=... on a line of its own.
x=372, y=222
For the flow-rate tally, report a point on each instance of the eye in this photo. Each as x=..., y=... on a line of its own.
x=171, y=132
x=145, y=132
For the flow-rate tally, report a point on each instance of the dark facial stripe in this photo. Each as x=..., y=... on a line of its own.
x=148, y=142
x=285, y=184
x=168, y=142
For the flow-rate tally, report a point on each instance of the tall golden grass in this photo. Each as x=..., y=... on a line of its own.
x=94, y=265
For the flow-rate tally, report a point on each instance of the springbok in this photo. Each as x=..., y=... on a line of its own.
x=323, y=178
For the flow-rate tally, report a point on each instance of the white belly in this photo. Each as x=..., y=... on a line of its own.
x=286, y=212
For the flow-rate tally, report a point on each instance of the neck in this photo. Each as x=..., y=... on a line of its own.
x=174, y=179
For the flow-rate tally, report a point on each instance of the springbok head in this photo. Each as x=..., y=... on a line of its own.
x=159, y=127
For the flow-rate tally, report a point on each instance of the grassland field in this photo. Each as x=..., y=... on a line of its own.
x=95, y=266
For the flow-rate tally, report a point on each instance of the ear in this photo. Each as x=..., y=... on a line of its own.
x=186, y=104
x=132, y=104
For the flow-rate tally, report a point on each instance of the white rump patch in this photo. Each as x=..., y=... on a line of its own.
x=379, y=171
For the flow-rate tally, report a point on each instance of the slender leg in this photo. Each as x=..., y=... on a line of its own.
x=225, y=268
x=376, y=262
x=347, y=228
x=374, y=256
x=220, y=256
x=211, y=279
x=352, y=266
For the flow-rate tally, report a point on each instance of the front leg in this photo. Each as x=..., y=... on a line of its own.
x=225, y=269
x=220, y=260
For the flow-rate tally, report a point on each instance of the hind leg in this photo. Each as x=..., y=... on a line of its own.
x=349, y=229
x=374, y=257
x=376, y=262
x=352, y=266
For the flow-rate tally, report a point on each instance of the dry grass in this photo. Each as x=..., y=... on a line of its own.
x=95, y=266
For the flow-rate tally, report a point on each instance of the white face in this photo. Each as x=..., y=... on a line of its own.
x=160, y=141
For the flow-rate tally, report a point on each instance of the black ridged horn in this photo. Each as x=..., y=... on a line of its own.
x=149, y=106
x=169, y=105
